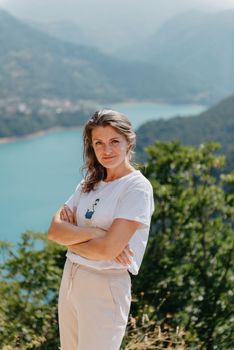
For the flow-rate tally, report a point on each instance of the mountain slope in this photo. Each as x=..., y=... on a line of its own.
x=215, y=124
x=64, y=30
x=197, y=44
x=35, y=65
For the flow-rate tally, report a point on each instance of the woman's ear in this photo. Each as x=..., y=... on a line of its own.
x=129, y=147
x=128, y=154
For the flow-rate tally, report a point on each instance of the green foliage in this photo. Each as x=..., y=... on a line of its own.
x=29, y=284
x=188, y=268
x=184, y=292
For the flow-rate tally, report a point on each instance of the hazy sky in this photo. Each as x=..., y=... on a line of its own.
x=148, y=12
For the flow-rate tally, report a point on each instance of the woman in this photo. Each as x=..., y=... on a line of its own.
x=105, y=226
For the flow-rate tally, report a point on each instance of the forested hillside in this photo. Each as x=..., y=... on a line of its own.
x=46, y=82
x=215, y=124
x=35, y=65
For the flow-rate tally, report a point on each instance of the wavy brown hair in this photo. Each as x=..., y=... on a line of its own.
x=95, y=172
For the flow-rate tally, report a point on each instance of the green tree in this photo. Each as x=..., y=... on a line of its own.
x=29, y=284
x=188, y=267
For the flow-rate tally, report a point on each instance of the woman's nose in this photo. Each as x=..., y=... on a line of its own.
x=107, y=149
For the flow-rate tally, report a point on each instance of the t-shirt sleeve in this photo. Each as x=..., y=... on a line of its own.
x=73, y=200
x=137, y=204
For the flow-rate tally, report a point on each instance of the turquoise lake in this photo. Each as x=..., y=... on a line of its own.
x=37, y=175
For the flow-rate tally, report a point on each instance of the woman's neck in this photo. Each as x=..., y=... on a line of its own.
x=116, y=174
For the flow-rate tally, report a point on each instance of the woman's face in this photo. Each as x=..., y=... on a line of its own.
x=110, y=146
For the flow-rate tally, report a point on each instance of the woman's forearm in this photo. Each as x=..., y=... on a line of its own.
x=65, y=233
x=109, y=246
x=94, y=249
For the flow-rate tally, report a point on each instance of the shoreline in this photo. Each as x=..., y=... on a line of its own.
x=40, y=133
x=158, y=102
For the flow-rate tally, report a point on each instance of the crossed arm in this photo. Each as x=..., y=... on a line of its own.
x=93, y=243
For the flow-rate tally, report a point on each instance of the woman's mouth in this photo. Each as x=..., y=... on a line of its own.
x=108, y=158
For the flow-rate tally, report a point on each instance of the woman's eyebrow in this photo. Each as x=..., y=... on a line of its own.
x=113, y=138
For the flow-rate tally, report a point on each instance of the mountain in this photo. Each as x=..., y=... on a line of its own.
x=108, y=24
x=64, y=30
x=46, y=82
x=215, y=124
x=101, y=36
x=35, y=65
x=195, y=44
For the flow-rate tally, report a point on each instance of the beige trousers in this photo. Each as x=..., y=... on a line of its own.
x=93, y=307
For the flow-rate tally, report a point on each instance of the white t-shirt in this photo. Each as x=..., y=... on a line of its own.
x=129, y=197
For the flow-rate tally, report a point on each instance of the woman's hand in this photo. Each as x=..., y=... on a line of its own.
x=124, y=258
x=68, y=215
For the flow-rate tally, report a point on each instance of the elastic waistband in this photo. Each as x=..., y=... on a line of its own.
x=92, y=269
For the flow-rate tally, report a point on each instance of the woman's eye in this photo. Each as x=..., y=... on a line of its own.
x=98, y=143
x=115, y=141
